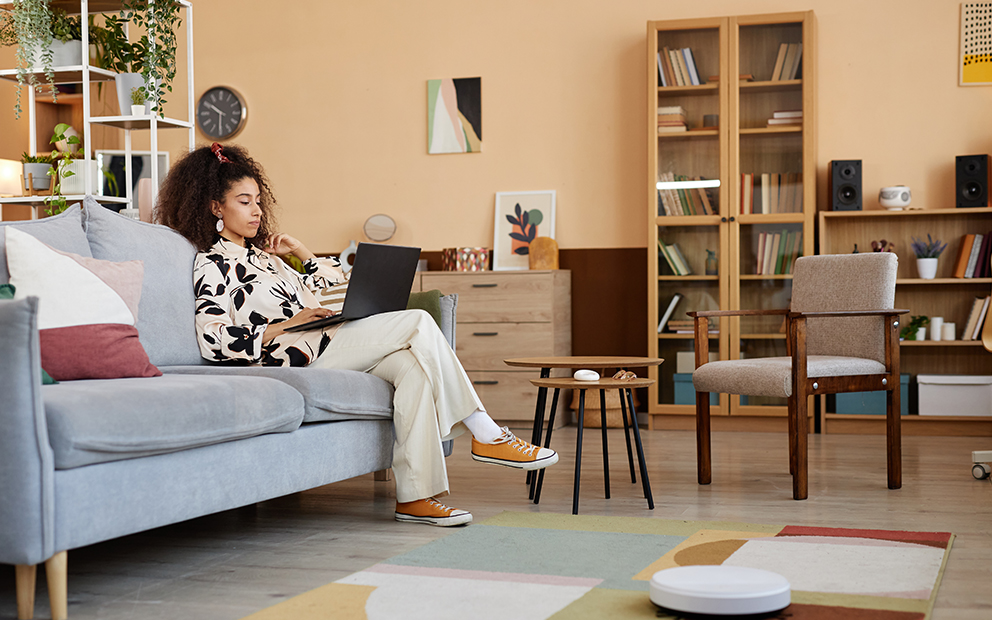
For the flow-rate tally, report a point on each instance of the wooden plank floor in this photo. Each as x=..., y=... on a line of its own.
x=229, y=565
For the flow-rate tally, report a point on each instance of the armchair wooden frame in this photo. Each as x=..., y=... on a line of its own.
x=804, y=386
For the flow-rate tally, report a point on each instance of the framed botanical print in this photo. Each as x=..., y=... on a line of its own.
x=521, y=217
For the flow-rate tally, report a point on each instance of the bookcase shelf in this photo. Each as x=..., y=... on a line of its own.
x=729, y=47
x=945, y=296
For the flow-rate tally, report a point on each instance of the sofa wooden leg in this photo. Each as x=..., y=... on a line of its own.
x=57, y=573
x=384, y=475
x=25, y=577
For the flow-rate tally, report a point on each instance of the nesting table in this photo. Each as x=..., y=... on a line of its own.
x=606, y=366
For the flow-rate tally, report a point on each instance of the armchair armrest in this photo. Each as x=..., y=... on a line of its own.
x=708, y=313
x=890, y=312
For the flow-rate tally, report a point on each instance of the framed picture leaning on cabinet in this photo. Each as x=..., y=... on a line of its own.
x=521, y=217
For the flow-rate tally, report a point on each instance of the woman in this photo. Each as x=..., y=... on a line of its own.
x=219, y=199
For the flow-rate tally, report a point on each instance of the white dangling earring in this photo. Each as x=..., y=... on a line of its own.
x=220, y=225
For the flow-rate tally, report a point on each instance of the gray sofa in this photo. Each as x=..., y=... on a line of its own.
x=90, y=460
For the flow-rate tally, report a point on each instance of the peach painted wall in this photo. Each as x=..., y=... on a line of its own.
x=337, y=96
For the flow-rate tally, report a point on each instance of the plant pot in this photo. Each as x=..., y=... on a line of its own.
x=76, y=184
x=68, y=54
x=125, y=82
x=927, y=267
x=921, y=333
x=138, y=110
x=39, y=176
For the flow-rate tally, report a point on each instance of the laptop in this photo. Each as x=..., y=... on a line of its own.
x=380, y=281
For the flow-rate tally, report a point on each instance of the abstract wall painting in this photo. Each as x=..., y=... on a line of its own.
x=521, y=217
x=975, y=61
x=454, y=115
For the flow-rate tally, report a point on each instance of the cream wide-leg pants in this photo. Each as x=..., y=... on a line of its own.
x=432, y=393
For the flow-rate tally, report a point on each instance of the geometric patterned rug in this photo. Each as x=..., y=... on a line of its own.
x=524, y=566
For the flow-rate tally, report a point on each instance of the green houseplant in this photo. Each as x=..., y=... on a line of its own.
x=30, y=28
x=912, y=330
x=36, y=171
x=57, y=202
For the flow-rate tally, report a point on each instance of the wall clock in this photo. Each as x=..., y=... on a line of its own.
x=221, y=112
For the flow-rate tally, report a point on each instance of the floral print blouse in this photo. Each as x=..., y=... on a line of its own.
x=240, y=291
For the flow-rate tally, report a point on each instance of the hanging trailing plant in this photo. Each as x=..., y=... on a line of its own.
x=30, y=27
x=154, y=54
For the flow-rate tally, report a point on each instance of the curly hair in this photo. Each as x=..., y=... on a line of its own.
x=198, y=178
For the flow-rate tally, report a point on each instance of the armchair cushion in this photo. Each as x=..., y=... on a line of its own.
x=772, y=376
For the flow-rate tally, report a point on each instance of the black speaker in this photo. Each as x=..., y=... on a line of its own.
x=845, y=185
x=973, y=178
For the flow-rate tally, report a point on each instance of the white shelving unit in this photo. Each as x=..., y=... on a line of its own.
x=86, y=75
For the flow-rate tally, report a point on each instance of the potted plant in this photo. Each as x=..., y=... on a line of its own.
x=56, y=202
x=137, y=102
x=927, y=254
x=29, y=26
x=916, y=329
x=36, y=171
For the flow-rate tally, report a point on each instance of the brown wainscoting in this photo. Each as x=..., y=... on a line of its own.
x=609, y=299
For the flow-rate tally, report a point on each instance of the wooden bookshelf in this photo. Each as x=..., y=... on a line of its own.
x=727, y=47
x=944, y=296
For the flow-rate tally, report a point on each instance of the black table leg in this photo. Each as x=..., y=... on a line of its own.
x=640, y=450
x=578, y=453
x=606, y=449
x=547, y=444
x=626, y=435
x=535, y=437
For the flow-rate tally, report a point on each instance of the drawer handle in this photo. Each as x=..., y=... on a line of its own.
x=493, y=285
x=485, y=333
x=485, y=382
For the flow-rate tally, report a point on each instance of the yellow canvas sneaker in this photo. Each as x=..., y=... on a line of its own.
x=431, y=512
x=511, y=451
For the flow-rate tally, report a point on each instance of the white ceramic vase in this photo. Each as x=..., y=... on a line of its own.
x=68, y=54
x=76, y=184
x=927, y=267
x=137, y=110
x=125, y=82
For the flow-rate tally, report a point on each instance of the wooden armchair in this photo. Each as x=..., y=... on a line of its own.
x=842, y=335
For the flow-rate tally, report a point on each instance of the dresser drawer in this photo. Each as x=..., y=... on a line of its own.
x=484, y=346
x=510, y=399
x=490, y=297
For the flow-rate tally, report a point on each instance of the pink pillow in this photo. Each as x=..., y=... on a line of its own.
x=87, y=311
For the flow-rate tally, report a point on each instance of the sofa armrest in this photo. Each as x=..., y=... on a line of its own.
x=449, y=315
x=27, y=467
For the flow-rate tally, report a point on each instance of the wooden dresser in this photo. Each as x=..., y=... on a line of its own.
x=503, y=314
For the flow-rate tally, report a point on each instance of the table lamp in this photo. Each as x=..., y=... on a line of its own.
x=10, y=177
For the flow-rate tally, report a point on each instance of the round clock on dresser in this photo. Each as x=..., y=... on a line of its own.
x=221, y=112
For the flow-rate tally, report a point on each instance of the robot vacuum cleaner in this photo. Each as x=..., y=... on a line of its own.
x=720, y=590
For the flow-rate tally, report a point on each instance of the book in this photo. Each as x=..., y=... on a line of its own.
x=663, y=250
x=969, y=326
x=783, y=252
x=690, y=62
x=666, y=59
x=683, y=68
x=779, y=61
x=683, y=263
x=796, y=62
x=982, y=266
x=775, y=122
x=976, y=246
x=765, y=195
x=964, y=254
x=771, y=253
x=773, y=206
x=787, y=114
x=705, y=199
x=983, y=316
x=668, y=311
x=671, y=109
x=676, y=69
x=747, y=192
x=661, y=72
x=790, y=58
x=672, y=129
x=760, y=254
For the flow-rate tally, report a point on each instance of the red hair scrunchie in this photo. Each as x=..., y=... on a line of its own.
x=217, y=148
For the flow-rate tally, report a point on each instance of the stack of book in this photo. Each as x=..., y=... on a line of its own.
x=674, y=258
x=771, y=192
x=786, y=117
x=976, y=319
x=677, y=67
x=788, y=62
x=686, y=201
x=973, y=256
x=671, y=119
x=777, y=252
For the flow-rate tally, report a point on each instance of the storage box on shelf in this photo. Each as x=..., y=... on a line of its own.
x=955, y=395
x=945, y=296
x=41, y=110
x=504, y=314
x=756, y=216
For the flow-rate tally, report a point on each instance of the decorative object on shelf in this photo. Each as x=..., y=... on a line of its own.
x=845, y=185
x=543, y=254
x=936, y=328
x=973, y=178
x=975, y=59
x=881, y=246
x=454, y=115
x=346, y=255
x=137, y=102
x=221, y=113
x=520, y=216
x=916, y=329
x=36, y=173
x=927, y=254
x=379, y=227
x=465, y=259
x=712, y=264
x=947, y=331
x=154, y=54
x=895, y=198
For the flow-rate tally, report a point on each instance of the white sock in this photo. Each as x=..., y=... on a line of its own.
x=482, y=427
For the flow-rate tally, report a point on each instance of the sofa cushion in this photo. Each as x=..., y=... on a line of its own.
x=96, y=421
x=87, y=311
x=166, y=316
x=63, y=231
x=329, y=394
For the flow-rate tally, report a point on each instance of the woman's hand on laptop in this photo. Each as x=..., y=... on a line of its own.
x=281, y=244
x=303, y=316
